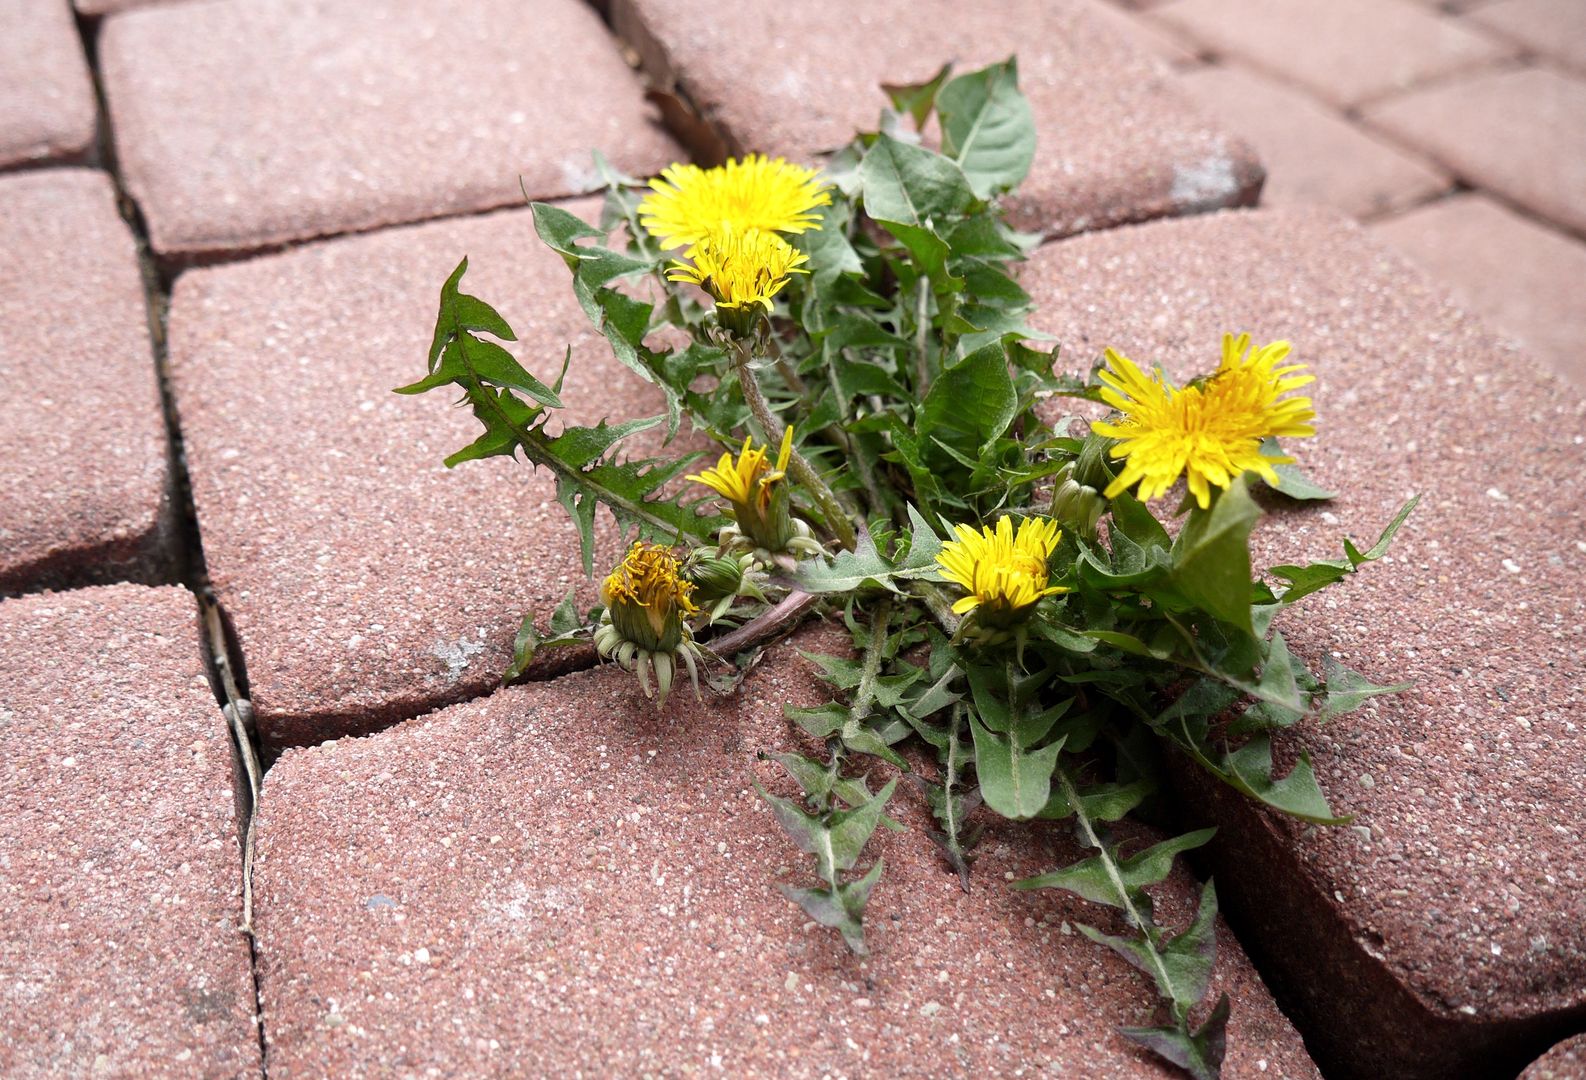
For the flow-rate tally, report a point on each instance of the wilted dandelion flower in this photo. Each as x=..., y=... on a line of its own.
x=647, y=602
x=686, y=203
x=1003, y=571
x=758, y=500
x=1211, y=431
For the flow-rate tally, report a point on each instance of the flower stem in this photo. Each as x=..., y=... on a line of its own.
x=765, y=626
x=836, y=517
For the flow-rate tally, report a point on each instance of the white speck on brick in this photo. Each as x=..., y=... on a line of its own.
x=456, y=655
x=1206, y=185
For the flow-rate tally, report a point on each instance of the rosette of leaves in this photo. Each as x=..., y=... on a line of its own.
x=905, y=363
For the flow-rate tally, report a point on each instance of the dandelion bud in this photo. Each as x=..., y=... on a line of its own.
x=644, y=628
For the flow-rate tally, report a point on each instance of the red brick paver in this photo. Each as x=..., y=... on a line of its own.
x=84, y=467
x=1566, y=1061
x=1528, y=281
x=1516, y=133
x=1116, y=142
x=367, y=582
x=1449, y=918
x=245, y=125
x=1145, y=34
x=121, y=952
x=1312, y=155
x=1554, y=28
x=1344, y=51
x=46, y=98
x=558, y=879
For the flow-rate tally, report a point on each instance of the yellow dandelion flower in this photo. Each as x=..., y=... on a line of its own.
x=740, y=269
x=748, y=480
x=758, y=501
x=647, y=599
x=686, y=204
x=1003, y=571
x=1210, y=432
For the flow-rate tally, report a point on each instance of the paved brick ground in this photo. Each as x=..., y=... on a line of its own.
x=244, y=125
x=1116, y=140
x=1566, y=1061
x=1555, y=29
x=1313, y=155
x=1452, y=910
x=1490, y=94
x=1345, y=51
x=557, y=876
x=366, y=581
x=1511, y=132
x=85, y=472
x=121, y=950
x=46, y=97
x=1449, y=919
x=1513, y=270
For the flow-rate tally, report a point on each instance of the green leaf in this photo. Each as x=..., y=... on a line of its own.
x=830, y=253
x=1200, y=1053
x=841, y=909
x=524, y=645
x=1014, y=779
x=836, y=841
x=1180, y=967
x=1346, y=690
x=1249, y=769
x=1211, y=558
x=911, y=185
x=930, y=251
x=917, y=99
x=988, y=128
x=1134, y=519
x=865, y=566
x=1291, y=481
x=972, y=401
x=1089, y=879
x=1380, y=548
x=1104, y=802
x=1312, y=577
x=1280, y=701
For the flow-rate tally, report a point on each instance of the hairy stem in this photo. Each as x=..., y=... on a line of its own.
x=836, y=517
x=922, y=349
x=865, y=692
x=941, y=608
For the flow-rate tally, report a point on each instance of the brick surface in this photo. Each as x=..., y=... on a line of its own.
x=1312, y=155
x=121, y=951
x=557, y=880
x=1524, y=278
x=1516, y=133
x=1116, y=142
x=1344, y=51
x=1566, y=1061
x=108, y=7
x=84, y=467
x=245, y=125
x=367, y=582
x=1449, y=918
x=46, y=98
x=1555, y=29
x=1147, y=35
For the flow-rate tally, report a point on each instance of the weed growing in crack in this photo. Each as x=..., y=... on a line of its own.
x=895, y=453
